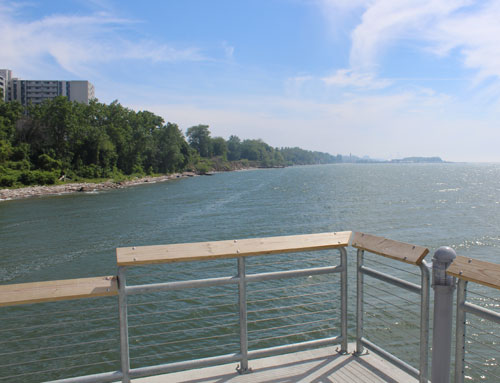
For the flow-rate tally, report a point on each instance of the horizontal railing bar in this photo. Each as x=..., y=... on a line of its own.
x=391, y=358
x=186, y=365
x=390, y=279
x=210, y=282
x=180, y=285
x=481, y=312
x=51, y=291
x=293, y=273
x=182, y=252
x=475, y=270
x=254, y=354
x=106, y=377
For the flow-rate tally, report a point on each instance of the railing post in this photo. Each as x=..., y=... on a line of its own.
x=242, y=299
x=122, y=308
x=343, y=302
x=443, y=286
x=359, y=303
x=424, y=321
x=460, y=332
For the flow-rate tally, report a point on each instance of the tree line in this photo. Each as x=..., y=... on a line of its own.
x=59, y=139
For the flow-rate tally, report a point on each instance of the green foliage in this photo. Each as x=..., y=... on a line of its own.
x=39, y=143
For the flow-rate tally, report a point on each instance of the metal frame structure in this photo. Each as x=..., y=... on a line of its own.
x=241, y=279
x=423, y=290
x=464, y=307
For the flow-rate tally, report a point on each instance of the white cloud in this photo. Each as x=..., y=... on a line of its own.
x=76, y=43
x=350, y=78
x=441, y=27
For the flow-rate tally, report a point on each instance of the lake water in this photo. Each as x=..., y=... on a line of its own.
x=73, y=236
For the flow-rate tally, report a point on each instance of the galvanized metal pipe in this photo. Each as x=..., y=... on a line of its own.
x=106, y=377
x=293, y=273
x=460, y=332
x=242, y=298
x=168, y=286
x=482, y=312
x=444, y=286
x=424, y=322
x=359, y=302
x=186, y=365
x=390, y=279
x=122, y=308
x=254, y=354
x=391, y=358
x=343, y=300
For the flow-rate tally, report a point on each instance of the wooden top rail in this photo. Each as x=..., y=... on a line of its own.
x=200, y=251
x=399, y=251
x=37, y=292
x=482, y=272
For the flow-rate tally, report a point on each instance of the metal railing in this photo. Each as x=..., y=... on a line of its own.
x=404, y=253
x=260, y=325
x=467, y=271
x=176, y=255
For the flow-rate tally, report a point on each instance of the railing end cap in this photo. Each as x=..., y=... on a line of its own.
x=444, y=254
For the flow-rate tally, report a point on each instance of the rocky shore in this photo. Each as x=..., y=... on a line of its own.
x=36, y=191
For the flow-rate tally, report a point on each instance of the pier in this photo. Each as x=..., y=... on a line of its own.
x=309, y=333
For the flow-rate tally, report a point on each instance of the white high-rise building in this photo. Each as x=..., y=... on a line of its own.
x=37, y=91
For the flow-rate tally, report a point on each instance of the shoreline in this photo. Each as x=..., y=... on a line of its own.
x=82, y=187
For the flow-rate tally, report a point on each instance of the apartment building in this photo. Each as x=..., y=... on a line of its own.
x=37, y=91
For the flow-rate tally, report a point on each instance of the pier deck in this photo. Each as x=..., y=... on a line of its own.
x=318, y=365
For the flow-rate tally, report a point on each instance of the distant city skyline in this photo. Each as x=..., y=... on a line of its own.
x=386, y=79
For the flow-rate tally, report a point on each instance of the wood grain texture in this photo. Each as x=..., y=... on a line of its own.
x=37, y=292
x=200, y=251
x=399, y=251
x=473, y=270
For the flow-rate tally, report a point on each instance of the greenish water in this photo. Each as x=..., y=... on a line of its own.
x=72, y=236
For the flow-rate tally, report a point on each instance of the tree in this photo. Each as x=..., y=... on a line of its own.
x=219, y=147
x=233, y=148
x=199, y=139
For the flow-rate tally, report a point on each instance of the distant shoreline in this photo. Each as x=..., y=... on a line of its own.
x=38, y=191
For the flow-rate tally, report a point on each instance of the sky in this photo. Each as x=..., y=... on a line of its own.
x=381, y=78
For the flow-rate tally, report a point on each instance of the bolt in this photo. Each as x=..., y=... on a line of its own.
x=460, y=272
x=238, y=251
x=413, y=247
x=235, y=241
x=135, y=259
x=133, y=248
x=470, y=260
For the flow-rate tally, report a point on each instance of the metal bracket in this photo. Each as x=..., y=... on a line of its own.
x=364, y=352
x=341, y=352
x=243, y=371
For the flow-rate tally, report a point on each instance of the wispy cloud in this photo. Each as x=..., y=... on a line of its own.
x=440, y=27
x=78, y=42
x=350, y=78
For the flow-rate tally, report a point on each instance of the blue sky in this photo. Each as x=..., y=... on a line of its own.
x=381, y=78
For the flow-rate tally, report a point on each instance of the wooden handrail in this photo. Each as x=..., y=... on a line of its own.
x=143, y=255
x=399, y=251
x=37, y=292
x=473, y=270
